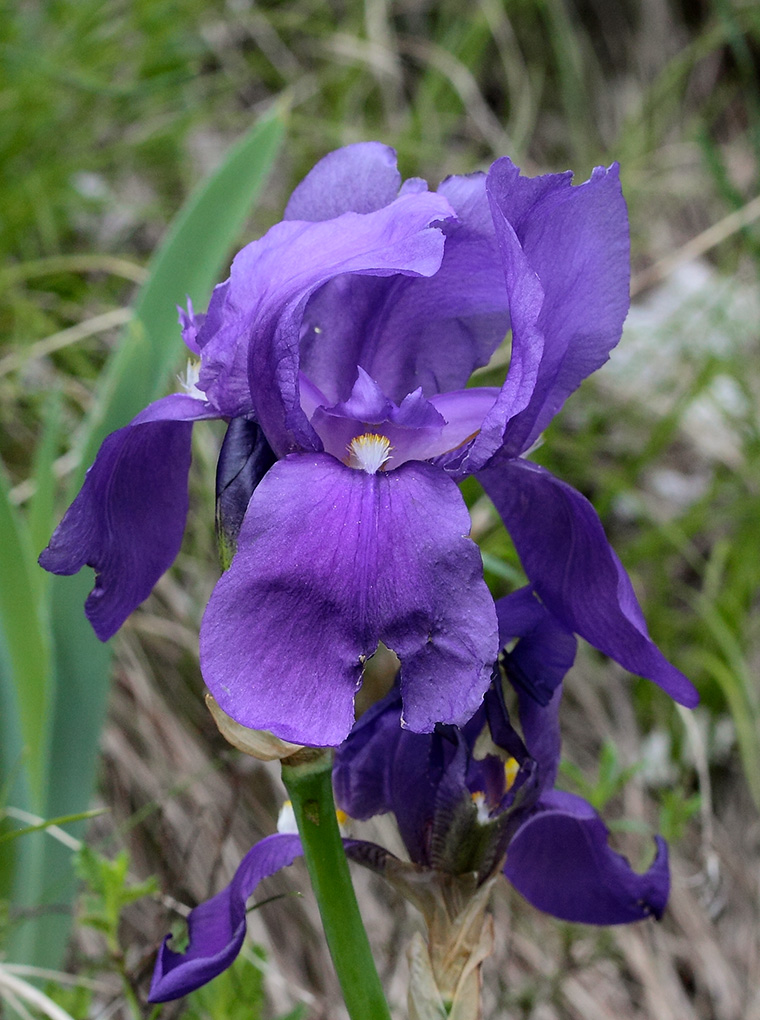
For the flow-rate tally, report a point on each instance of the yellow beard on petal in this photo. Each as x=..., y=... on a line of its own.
x=369, y=452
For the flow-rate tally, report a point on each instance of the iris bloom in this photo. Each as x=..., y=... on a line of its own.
x=463, y=799
x=343, y=342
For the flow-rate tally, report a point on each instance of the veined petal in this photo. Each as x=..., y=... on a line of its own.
x=429, y=332
x=251, y=362
x=574, y=241
x=526, y=298
x=217, y=927
x=574, y=570
x=331, y=561
x=129, y=516
x=464, y=412
x=561, y=862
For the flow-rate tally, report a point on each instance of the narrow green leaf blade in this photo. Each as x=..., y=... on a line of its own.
x=25, y=665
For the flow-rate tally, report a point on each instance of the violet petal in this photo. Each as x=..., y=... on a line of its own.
x=430, y=331
x=128, y=519
x=574, y=570
x=217, y=927
x=575, y=242
x=251, y=362
x=561, y=862
x=358, y=178
x=331, y=561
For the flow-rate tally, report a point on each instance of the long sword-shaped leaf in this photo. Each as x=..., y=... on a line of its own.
x=26, y=663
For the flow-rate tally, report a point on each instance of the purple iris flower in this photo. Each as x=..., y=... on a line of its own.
x=463, y=799
x=343, y=342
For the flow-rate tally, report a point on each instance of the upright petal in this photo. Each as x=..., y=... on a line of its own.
x=331, y=561
x=526, y=297
x=575, y=572
x=429, y=332
x=128, y=519
x=251, y=362
x=561, y=862
x=575, y=242
x=358, y=178
x=217, y=927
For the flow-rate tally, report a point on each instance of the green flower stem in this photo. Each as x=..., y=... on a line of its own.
x=308, y=779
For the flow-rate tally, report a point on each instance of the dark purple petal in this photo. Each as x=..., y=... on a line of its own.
x=575, y=572
x=546, y=649
x=407, y=333
x=358, y=178
x=575, y=244
x=244, y=459
x=536, y=667
x=363, y=762
x=331, y=561
x=561, y=862
x=128, y=519
x=217, y=927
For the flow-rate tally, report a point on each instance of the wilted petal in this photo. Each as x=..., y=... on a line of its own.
x=128, y=519
x=331, y=561
x=561, y=862
x=574, y=241
x=217, y=927
x=574, y=570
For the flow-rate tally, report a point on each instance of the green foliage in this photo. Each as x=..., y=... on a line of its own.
x=108, y=891
x=677, y=808
x=611, y=777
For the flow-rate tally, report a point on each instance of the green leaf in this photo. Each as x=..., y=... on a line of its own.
x=25, y=665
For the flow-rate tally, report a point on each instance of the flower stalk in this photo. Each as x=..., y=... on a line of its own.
x=307, y=776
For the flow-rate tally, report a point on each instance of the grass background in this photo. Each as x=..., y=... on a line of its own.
x=112, y=114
